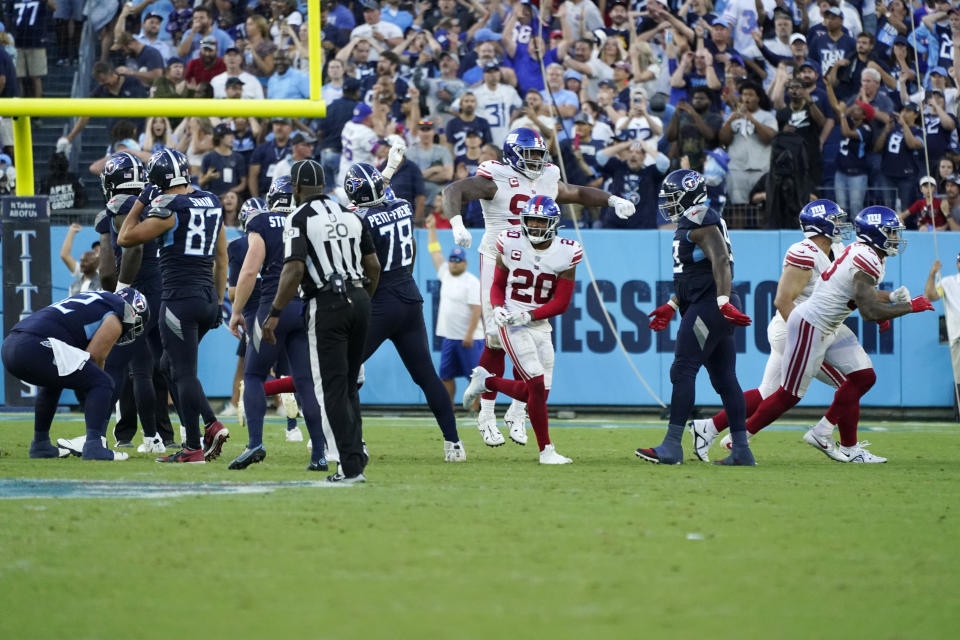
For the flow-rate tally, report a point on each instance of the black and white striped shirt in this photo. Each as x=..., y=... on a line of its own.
x=328, y=239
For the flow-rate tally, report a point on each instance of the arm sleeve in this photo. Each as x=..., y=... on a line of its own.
x=498, y=292
x=558, y=303
x=366, y=242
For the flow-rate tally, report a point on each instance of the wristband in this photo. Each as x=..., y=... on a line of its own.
x=722, y=300
x=121, y=285
x=673, y=304
x=434, y=246
x=274, y=312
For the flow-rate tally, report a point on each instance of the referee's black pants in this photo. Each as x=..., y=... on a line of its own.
x=337, y=331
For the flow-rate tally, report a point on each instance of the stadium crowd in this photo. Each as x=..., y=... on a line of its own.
x=775, y=101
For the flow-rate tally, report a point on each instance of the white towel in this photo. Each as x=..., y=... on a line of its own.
x=67, y=358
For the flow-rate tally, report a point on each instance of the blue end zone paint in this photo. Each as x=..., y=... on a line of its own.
x=29, y=488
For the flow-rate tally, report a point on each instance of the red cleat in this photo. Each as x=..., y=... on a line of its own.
x=214, y=435
x=190, y=456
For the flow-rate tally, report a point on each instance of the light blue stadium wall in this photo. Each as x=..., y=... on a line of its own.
x=913, y=368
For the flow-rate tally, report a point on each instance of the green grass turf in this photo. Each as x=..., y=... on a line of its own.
x=799, y=547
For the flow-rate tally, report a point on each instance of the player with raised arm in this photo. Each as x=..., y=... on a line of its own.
x=503, y=189
x=193, y=266
x=813, y=337
x=823, y=224
x=533, y=281
x=702, y=275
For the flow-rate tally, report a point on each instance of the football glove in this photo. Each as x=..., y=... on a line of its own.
x=884, y=326
x=661, y=316
x=148, y=193
x=733, y=315
x=460, y=234
x=501, y=317
x=395, y=157
x=622, y=207
x=64, y=145
x=518, y=318
x=900, y=296
x=920, y=303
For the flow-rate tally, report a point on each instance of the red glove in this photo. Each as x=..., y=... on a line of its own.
x=732, y=314
x=661, y=317
x=884, y=326
x=920, y=303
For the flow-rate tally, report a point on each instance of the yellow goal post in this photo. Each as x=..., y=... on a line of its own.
x=21, y=109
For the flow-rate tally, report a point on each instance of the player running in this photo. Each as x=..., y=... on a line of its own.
x=813, y=334
x=823, y=224
x=702, y=274
x=65, y=346
x=193, y=265
x=534, y=278
x=503, y=190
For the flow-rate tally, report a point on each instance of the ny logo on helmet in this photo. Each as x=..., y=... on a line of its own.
x=874, y=218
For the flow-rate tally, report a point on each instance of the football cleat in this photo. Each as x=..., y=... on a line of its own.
x=549, y=455
x=454, y=451
x=703, y=433
x=290, y=406
x=214, y=435
x=339, y=478
x=650, y=455
x=294, y=435
x=476, y=386
x=727, y=440
x=152, y=445
x=745, y=459
x=858, y=454
x=825, y=445
x=188, y=456
x=74, y=446
x=48, y=450
x=248, y=457
x=515, y=419
x=487, y=424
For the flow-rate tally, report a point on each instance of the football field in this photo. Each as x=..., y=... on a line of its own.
x=610, y=546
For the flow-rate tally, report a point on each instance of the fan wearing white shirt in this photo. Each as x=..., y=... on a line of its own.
x=386, y=34
x=233, y=60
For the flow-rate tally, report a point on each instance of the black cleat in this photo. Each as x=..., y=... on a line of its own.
x=318, y=466
x=248, y=457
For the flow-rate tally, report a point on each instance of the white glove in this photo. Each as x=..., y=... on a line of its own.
x=901, y=296
x=621, y=206
x=460, y=234
x=394, y=140
x=501, y=317
x=518, y=318
x=63, y=145
x=396, y=155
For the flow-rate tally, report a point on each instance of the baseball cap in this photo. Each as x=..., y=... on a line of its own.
x=623, y=64
x=912, y=106
x=868, y=111
x=491, y=66
x=486, y=35
x=813, y=64
x=233, y=81
x=351, y=84
x=901, y=40
x=425, y=124
x=583, y=118
x=720, y=21
x=457, y=255
x=280, y=120
x=797, y=36
x=369, y=5
x=231, y=49
x=572, y=73
x=474, y=132
x=835, y=11
x=735, y=58
x=307, y=173
x=556, y=33
x=153, y=14
x=174, y=60
x=361, y=111
x=927, y=180
x=938, y=71
x=302, y=137
x=608, y=83
x=222, y=129
x=952, y=10
x=208, y=42
x=5, y=159
x=954, y=178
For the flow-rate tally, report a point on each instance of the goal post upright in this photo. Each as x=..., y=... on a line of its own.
x=22, y=109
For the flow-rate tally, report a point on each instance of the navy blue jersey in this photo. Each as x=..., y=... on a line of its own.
x=456, y=132
x=269, y=226
x=73, y=320
x=391, y=227
x=852, y=155
x=148, y=277
x=944, y=44
x=29, y=22
x=232, y=169
x=939, y=139
x=899, y=160
x=828, y=51
x=692, y=271
x=187, y=250
x=236, y=252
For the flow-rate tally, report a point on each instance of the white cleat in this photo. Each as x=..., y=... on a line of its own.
x=75, y=445
x=152, y=445
x=122, y=455
x=858, y=454
x=476, y=386
x=825, y=445
x=703, y=433
x=289, y=402
x=549, y=455
x=727, y=440
x=295, y=435
x=241, y=413
x=487, y=424
x=454, y=451
x=516, y=421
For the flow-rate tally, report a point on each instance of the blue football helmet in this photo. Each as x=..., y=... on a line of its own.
x=280, y=195
x=525, y=151
x=168, y=168
x=540, y=208
x=364, y=185
x=123, y=171
x=136, y=315
x=880, y=228
x=825, y=218
x=249, y=208
x=680, y=191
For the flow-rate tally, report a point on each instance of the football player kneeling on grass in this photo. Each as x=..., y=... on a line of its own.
x=533, y=281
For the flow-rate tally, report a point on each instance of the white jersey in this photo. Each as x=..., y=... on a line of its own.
x=358, y=141
x=495, y=106
x=741, y=15
x=808, y=256
x=533, y=272
x=832, y=299
x=513, y=190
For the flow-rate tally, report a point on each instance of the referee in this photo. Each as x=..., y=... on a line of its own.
x=331, y=256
